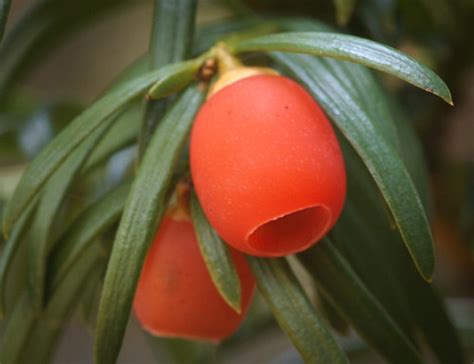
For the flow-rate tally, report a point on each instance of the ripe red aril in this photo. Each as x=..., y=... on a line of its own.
x=176, y=297
x=266, y=166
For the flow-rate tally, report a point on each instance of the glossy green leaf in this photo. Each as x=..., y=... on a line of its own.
x=54, y=154
x=172, y=31
x=217, y=257
x=354, y=49
x=171, y=37
x=84, y=230
x=344, y=9
x=361, y=235
x=4, y=10
x=412, y=154
x=407, y=289
x=52, y=196
x=143, y=211
x=354, y=235
x=167, y=86
x=9, y=250
x=17, y=330
x=342, y=287
x=357, y=80
x=380, y=157
x=126, y=127
x=135, y=69
x=122, y=133
x=428, y=315
x=294, y=313
x=426, y=312
x=368, y=256
x=365, y=201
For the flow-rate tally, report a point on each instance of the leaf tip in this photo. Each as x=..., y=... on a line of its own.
x=232, y=297
x=235, y=305
x=443, y=92
x=237, y=309
x=426, y=270
x=448, y=98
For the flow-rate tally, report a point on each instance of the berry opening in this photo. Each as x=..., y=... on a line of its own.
x=290, y=233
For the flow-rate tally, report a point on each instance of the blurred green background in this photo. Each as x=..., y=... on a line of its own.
x=79, y=70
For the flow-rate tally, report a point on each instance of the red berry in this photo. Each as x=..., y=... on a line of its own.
x=267, y=166
x=176, y=297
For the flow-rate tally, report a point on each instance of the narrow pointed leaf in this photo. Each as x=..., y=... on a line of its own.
x=144, y=209
x=344, y=9
x=84, y=230
x=384, y=116
x=49, y=204
x=354, y=234
x=126, y=127
x=380, y=157
x=217, y=257
x=122, y=133
x=9, y=250
x=294, y=313
x=172, y=31
x=357, y=80
x=361, y=236
x=412, y=154
x=54, y=154
x=425, y=311
x=168, y=86
x=171, y=37
x=353, y=49
x=368, y=257
x=346, y=292
x=135, y=69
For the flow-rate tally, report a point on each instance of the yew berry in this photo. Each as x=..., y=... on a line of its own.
x=267, y=166
x=176, y=297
